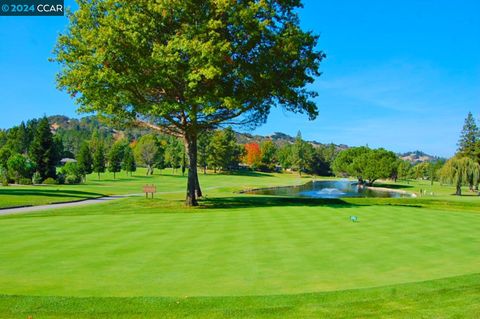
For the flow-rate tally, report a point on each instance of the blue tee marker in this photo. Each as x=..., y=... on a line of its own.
x=353, y=218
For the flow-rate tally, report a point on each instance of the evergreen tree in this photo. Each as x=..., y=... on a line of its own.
x=224, y=153
x=22, y=141
x=3, y=137
x=129, y=165
x=99, y=160
x=216, y=151
x=234, y=151
x=318, y=164
x=5, y=154
x=59, y=149
x=115, y=156
x=42, y=150
x=301, y=155
x=469, y=137
x=85, y=160
x=269, y=153
x=95, y=141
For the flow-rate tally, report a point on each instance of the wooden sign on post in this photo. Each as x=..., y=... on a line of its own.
x=149, y=189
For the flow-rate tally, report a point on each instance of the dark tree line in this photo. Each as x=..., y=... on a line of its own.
x=29, y=149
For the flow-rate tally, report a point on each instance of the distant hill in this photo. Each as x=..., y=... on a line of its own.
x=279, y=139
x=418, y=157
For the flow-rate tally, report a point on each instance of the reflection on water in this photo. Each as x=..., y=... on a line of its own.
x=328, y=189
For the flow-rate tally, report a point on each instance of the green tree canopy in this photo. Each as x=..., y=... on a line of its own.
x=204, y=140
x=173, y=153
x=469, y=138
x=225, y=153
x=99, y=159
x=17, y=167
x=344, y=164
x=404, y=169
x=129, y=165
x=461, y=171
x=115, y=157
x=146, y=151
x=183, y=67
x=302, y=154
x=42, y=150
x=365, y=164
x=85, y=160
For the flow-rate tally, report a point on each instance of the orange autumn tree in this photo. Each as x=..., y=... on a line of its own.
x=253, y=154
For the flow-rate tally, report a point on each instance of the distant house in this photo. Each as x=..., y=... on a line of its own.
x=64, y=161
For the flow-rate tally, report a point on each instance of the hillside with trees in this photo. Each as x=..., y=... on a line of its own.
x=60, y=149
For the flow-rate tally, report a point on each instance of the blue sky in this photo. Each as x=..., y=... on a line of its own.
x=399, y=74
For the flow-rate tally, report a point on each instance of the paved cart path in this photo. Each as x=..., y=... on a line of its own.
x=29, y=209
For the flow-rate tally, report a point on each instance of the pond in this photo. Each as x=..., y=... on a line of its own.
x=329, y=189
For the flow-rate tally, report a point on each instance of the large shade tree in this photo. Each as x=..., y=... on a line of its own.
x=183, y=67
x=461, y=171
x=368, y=165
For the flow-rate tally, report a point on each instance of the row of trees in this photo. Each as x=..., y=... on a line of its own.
x=32, y=149
x=300, y=156
x=93, y=158
x=31, y=152
x=429, y=170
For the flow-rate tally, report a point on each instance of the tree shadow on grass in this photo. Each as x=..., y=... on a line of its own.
x=392, y=186
x=49, y=193
x=270, y=201
x=245, y=173
x=251, y=201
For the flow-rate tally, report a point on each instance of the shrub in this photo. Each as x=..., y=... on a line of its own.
x=73, y=179
x=264, y=167
x=17, y=167
x=61, y=179
x=72, y=173
x=3, y=176
x=37, y=178
x=25, y=181
x=50, y=181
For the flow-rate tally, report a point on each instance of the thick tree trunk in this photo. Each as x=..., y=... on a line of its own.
x=459, y=190
x=193, y=186
x=198, y=190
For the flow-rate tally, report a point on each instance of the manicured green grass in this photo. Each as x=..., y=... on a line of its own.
x=165, y=181
x=241, y=256
x=129, y=248
x=455, y=297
